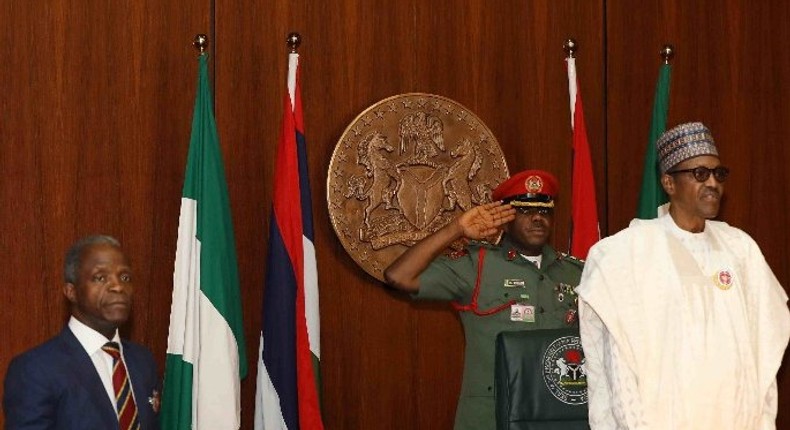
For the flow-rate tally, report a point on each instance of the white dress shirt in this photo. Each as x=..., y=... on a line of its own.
x=93, y=341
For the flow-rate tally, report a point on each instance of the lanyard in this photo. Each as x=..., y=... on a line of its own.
x=473, y=306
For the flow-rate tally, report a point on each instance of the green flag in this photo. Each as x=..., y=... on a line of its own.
x=652, y=195
x=205, y=348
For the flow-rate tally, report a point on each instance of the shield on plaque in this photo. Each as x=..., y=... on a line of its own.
x=420, y=193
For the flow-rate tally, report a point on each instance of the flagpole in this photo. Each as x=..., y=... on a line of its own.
x=570, y=47
x=585, y=229
x=288, y=389
x=652, y=198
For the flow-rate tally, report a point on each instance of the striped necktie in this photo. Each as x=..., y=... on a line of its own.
x=127, y=410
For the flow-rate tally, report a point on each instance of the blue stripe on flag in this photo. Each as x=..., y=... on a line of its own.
x=279, y=328
x=304, y=187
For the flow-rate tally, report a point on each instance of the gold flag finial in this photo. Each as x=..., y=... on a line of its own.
x=667, y=53
x=293, y=41
x=201, y=43
x=570, y=46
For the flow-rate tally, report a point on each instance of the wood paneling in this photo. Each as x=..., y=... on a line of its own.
x=96, y=109
x=96, y=113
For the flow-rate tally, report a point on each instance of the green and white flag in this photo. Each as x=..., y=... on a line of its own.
x=652, y=194
x=205, y=348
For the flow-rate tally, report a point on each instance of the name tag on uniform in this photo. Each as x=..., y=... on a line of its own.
x=514, y=283
x=521, y=312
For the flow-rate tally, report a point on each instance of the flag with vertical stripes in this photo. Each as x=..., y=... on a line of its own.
x=287, y=394
x=206, y=356
x=585, y=230
x=652, y=194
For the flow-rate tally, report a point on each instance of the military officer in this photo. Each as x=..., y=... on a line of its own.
x=518, y=283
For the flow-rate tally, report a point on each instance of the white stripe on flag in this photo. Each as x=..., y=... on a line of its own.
x=572, y=90
x=186, y=278
x=216, y=373
x=265, y=394
x=293, y=63
x=311, y=298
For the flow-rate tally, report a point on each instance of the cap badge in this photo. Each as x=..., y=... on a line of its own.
x=533, y=184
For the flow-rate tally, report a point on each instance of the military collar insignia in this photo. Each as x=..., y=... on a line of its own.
x=457, y=253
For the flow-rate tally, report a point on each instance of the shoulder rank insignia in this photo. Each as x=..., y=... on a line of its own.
x=567, y=257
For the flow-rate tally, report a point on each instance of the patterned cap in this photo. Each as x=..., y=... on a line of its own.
x=683, y=142
x=528, y=188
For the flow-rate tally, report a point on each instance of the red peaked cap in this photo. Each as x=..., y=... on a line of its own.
x=528, y=188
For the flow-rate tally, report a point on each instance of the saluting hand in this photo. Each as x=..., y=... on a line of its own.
x=486, y=221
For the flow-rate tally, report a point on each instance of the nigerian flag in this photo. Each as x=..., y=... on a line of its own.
x=652, y=194
x=205, y=348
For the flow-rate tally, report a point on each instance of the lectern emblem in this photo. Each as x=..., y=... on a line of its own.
x=563, y=370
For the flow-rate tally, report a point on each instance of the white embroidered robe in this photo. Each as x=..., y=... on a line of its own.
x=680, y=339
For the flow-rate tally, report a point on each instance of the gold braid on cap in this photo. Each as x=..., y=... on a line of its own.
x=521, y=204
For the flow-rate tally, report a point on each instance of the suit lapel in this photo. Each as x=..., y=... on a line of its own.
x=142, y=383
x=82, y=366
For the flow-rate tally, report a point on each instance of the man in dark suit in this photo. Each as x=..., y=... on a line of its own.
x=87, y=377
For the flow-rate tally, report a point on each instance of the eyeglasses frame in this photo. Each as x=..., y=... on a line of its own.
x=721, y=176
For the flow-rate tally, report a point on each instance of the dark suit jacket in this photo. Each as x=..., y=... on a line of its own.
x=56, y=386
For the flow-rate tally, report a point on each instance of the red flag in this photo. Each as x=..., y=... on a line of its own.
x=585, y=230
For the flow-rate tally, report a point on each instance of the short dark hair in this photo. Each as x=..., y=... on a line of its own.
x=71, y=265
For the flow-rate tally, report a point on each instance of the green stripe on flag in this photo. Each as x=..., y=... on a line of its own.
x=177, y=398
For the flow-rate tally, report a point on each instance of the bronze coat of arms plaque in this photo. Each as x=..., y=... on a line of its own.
x=404, y=168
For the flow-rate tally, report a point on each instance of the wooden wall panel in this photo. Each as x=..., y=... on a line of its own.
x=249, y=59
x=727, y=74
x=96, y=110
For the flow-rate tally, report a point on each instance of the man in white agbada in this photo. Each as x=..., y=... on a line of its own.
x=682, y=322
